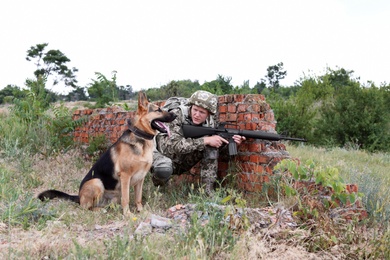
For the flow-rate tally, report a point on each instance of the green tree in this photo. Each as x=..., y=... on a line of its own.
x=103, y=90
x=125, y=92
x=10, y=92
x=356, y=115
x=219, y=86
x=35, y=102
x=294, y=115
x=260, y=86
x=338, y=78
x=76, y=94
x=274, y=74
x=181, y=88
x=244, y=88
x=52, y=63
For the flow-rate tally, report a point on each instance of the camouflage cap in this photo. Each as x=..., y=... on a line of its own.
x=204, y=99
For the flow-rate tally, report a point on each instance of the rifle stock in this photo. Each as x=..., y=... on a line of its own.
x=191, y=131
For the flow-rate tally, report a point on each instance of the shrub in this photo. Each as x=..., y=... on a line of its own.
x=357, y=115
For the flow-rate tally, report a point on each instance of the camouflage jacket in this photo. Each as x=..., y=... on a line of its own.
x=177, y=144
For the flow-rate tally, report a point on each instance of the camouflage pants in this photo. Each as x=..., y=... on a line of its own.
x=180, y=163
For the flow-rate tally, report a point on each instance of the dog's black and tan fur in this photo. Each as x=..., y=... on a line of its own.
x=124, y=164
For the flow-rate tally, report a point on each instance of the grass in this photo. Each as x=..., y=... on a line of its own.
x=61, y=229
x=369, y=171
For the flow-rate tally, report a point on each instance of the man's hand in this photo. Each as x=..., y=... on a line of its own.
x=238, y=139
x=214, y=141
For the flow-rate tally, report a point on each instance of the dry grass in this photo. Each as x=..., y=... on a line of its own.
x=60, y=229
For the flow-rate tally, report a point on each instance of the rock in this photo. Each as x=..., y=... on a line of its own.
x=143, y=229
x=160, y=222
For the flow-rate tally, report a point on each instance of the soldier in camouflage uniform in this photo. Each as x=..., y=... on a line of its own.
x=176, y=154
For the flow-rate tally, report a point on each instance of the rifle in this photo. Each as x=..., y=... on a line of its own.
x=192, y=131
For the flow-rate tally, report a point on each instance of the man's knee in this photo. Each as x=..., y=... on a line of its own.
x=162, y=172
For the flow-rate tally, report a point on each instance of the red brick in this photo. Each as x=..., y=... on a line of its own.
x=269, y=170
x=255, y=117
x=253, y=187
x=265, y=178
x=222, y=99
x=239, y=98
x=255, y=178
x=255, y=147
x=232, y=108
x=88, y=111
x=261, y=115
x=247, y=117
x=242, y=108
x=258, y=168
x=223, y=166
x=243, y=147
x=241, y=185
x=222, y=118
x=254, y=108
x=241, y=125
x=269, y=116
x=351, y=188
x=247, y=167
x=229, y=98
x=231, y=117
x=242, y=158
x=251, y=126
x=257, y=158
x=109, y=116
x=242, y=177
x=240, y=118
x=222, y=109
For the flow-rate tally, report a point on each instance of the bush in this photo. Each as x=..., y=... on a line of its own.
x=357, y=115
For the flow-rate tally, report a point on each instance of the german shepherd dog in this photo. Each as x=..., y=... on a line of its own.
x=124, y=164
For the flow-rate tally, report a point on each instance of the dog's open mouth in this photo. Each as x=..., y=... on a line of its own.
x=160, y=126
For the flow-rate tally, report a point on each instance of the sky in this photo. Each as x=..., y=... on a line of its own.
x=152, y=42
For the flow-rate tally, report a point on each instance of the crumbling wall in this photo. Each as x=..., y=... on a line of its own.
x=255, y=160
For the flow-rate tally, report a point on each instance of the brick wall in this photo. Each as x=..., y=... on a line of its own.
x=255, y=159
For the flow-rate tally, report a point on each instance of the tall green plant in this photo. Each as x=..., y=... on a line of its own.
x=34, y=126
x=35, y=102
x=103, y=90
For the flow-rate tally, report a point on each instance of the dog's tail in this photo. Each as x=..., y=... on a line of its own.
x=52, y=194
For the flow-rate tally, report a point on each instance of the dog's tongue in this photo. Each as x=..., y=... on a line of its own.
x=163, y=126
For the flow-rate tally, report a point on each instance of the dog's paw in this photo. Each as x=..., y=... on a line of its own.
x=127, y=213
x=139, y=207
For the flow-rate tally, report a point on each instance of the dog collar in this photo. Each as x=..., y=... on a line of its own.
x=140, y=133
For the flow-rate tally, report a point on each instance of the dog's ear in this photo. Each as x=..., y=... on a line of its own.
x=142, y=102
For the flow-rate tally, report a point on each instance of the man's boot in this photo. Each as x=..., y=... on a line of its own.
x=161, y=169
x=161, y=175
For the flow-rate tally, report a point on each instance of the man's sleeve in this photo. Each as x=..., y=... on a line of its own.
x=177, y=143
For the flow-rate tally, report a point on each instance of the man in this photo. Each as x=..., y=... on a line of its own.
x=176, y=154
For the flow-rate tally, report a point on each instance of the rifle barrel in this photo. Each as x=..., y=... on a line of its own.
x=198, y=131
x=259, y=135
